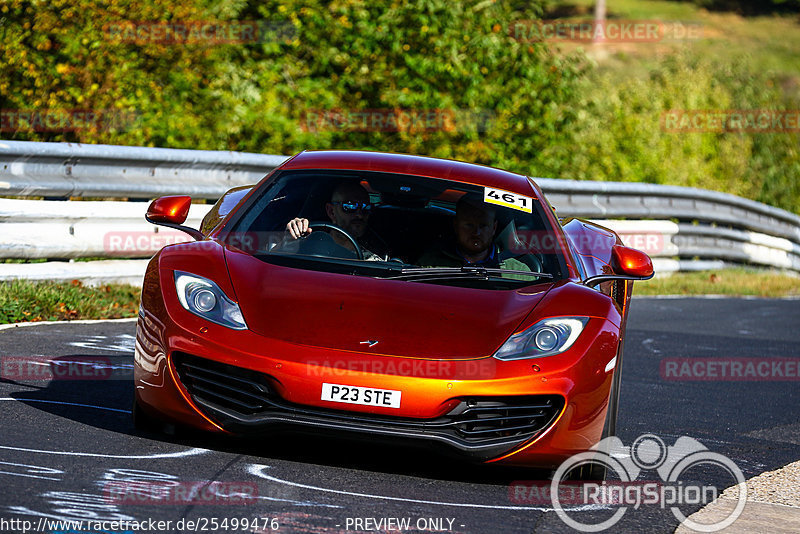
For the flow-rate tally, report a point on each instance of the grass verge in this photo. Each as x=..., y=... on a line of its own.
x=22, y=300
x=764, y=43
x=729, y=282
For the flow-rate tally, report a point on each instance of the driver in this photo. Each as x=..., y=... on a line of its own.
x=349, y=209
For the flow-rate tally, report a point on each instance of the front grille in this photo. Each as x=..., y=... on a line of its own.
x=241, y=390
x=483, y=418
x=243, y=401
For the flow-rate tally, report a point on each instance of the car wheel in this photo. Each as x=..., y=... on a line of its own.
x=610, y=426
x=588, y=472
x=598, y=470
x=142, y=421
x=147, y=424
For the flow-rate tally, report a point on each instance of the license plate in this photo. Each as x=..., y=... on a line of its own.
x=388, y=398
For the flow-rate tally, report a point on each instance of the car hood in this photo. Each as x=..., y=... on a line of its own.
x=376, y=316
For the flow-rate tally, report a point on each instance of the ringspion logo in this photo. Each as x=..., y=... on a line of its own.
x=676, y=465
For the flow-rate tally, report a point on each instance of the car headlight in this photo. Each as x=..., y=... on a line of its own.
x=203, y=297
x=545, y=338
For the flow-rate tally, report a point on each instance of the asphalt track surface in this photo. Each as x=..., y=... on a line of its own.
x=64, y=443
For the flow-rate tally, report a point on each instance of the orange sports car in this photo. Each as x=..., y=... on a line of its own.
x=388, y=296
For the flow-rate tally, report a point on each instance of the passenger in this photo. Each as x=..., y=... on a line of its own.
x=475, y=226
x=349, y=209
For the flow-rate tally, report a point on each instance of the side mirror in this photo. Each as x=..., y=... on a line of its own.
x=626, y=264
x=631, y=262
x=171, y=211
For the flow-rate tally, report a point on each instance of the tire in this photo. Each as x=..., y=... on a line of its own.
x=143, y=422
x=610, y=425
x=599, y=471
x=588, y=472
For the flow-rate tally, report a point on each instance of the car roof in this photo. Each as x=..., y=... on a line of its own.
x=361, y=160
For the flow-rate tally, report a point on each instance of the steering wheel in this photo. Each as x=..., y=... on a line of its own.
x=329, y=226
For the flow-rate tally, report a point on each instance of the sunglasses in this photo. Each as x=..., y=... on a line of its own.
x=353, y=207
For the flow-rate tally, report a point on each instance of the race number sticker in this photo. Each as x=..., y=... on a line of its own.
x=508, y=199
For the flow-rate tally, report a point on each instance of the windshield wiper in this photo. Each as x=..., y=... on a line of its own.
x=429, y=273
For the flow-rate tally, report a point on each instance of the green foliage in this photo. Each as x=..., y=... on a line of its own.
x=453, y=59
x=450, y=58
x=622, y=134
x=62, y=55
x=495, y=100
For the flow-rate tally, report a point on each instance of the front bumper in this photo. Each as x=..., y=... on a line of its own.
x=246, y=402
x=525, y=412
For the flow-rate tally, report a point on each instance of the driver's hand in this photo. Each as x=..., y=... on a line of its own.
x=298, y=228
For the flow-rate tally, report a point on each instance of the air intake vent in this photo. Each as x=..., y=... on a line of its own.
x=481, y=419
x=237, y=389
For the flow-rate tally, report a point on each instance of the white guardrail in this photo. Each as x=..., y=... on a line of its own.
x=682, y=228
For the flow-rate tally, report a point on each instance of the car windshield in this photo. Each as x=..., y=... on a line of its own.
x=399, y=227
